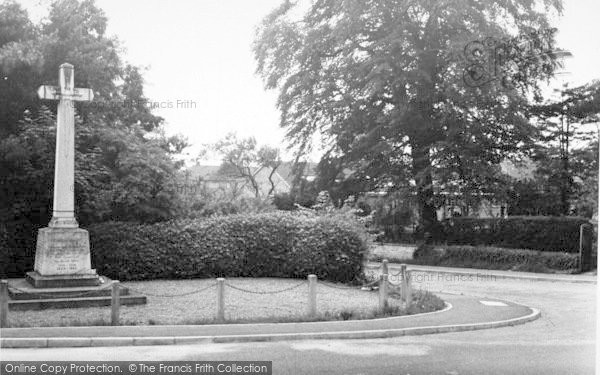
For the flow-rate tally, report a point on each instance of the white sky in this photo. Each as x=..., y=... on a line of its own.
x=200, y=51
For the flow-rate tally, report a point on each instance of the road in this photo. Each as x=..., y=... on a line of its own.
x=562, y=341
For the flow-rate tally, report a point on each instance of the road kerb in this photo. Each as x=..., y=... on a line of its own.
x=475, y=272
x=111, y=341
x=370, y=334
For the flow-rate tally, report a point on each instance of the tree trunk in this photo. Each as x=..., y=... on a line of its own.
x=272, y=189
x=425, y=134
x=422, y=172
x=565, y=185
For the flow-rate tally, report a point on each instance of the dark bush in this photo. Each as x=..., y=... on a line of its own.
x=284, y=202
x=496, y=258
x=17, y=247
x=275, y=244
x=544, y=233
x=392, y=216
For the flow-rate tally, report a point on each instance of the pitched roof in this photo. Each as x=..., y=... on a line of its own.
x=522, y=170
x=203, y=171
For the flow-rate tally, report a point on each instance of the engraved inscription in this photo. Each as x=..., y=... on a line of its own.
x=62, y=252
x=67, y=255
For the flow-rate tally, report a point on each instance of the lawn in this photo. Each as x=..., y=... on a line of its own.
x=334, y=302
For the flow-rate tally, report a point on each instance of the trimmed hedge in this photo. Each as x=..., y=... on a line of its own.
x=496, y=258
x=17, y=247
x=544, y=233
x=272, y=244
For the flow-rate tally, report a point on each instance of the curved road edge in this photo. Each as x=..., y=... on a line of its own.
x=90, y=341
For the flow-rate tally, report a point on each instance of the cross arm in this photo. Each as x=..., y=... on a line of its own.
x=53, y=93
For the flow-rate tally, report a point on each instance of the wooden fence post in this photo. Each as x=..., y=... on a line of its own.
x=312, y=295
x=384, y=267
x=403, y=282
x=115, y=303
x=585, y=247
x=221, y=299
x=383, y=292
x=408, y=287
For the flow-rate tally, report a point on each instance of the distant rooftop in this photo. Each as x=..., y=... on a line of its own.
x=523, y=170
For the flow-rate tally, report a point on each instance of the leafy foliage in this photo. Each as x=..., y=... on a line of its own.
x=284, y=202
x=568, y=155
x=392, y=215
x=207, y=207
x=124, y=166
x=553, y=234
x=382, y=83
x=496, y=258
x=254, y=245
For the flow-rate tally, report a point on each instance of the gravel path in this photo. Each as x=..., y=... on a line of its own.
x=200, y=307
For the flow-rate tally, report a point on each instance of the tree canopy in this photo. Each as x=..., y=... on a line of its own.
x=567, y=154
x=124, y=164
x=388, y=84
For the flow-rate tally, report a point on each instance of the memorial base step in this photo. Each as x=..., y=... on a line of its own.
x=67, y=303
x=23, y=296
x=60, y=281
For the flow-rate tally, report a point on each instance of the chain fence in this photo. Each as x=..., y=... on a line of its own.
x=219, y=285
x=265, y=292
x=198, y=291
x=399, y=273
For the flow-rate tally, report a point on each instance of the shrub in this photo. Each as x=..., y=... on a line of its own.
x=201, y=209
x=424, y=301
x=544, y=233
x=284, y=202
x=496, y=258
x=17, y=247
x=394, y=217
x=276, y=244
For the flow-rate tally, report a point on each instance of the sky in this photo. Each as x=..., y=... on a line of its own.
x=200, y=65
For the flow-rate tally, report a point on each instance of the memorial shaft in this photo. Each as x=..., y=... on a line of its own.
x=63, y=212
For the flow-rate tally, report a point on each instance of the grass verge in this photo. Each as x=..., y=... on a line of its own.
x=488, y=257
x=422, y=302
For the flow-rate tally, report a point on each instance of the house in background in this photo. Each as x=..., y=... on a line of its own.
x=211, y=180
x=453, y=206
x=222, y=185
x=451, y=203
x=489, y=205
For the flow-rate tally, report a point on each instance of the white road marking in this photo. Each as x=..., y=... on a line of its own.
x=493, y=303
x=363, y=348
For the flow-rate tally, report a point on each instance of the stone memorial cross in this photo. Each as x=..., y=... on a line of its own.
x=62, y=256
x=63, y=210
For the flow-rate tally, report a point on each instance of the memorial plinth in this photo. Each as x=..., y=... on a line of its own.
x=62, y=259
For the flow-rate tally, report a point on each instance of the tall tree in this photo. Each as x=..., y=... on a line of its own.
x=125, y=168
x=19, y=65
x=403, y=85
x=564, y=136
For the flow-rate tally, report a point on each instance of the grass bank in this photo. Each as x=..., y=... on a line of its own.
x=173, y=302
